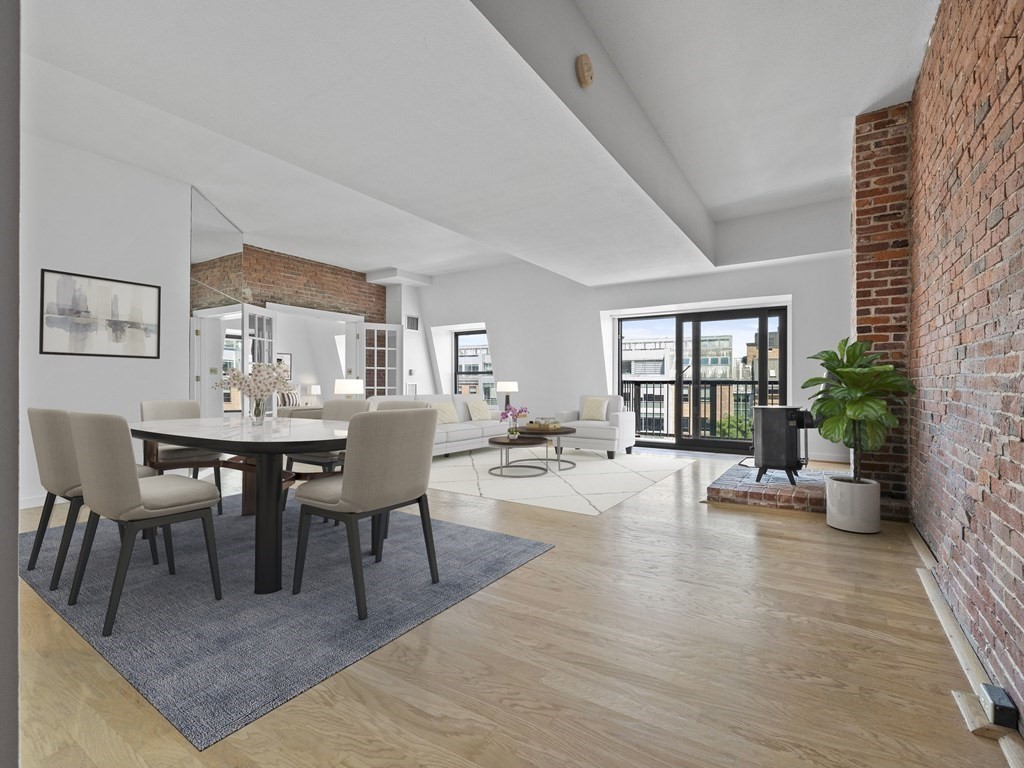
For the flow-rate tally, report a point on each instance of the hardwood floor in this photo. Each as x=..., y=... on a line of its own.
x=663, y=633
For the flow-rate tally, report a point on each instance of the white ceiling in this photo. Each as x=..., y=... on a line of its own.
x=756, y=100
x=411, y=135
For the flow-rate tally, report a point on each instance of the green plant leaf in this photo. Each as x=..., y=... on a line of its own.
x=866, y=408
x=834, y=428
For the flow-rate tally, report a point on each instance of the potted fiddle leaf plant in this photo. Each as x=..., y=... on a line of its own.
x=853, y=406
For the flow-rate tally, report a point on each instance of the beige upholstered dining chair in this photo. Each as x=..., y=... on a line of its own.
x=162, y=457
x=387, y=466
x=58, y=474
x=112, y=489
x=333, y=410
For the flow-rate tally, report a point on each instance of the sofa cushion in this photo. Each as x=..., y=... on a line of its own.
x=594, y=409
x=492, y=427
x=445, y=412
x=461, y=430
x=593, y=430
x=288, y=399
x=479, y=410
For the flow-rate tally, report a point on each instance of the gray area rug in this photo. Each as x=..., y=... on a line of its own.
x=211, y=667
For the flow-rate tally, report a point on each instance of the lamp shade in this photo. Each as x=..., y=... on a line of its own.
x=348, y=386
x=507, y=386
x=314, y=389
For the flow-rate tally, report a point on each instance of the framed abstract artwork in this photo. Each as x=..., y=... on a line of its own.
x=98, y=316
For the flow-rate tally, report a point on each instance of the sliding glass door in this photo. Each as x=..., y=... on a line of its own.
x=693, y=379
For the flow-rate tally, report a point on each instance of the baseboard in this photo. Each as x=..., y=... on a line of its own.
x=1009, y=741
x=28, y=502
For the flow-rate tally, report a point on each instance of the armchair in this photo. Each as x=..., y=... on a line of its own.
x=601, y=424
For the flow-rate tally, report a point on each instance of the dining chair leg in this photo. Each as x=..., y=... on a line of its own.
x=387, y=522
x=83, y=557
x=328, y=467
x=284, y=500
x=211, y=552
x=44, y=522
x=428, y=537
x=289, y=465
x=377, y=534
x=300, y=550
x=195, y=473
x=120, y=531
x=168, y=548
x=356, y=556
x=150, y=533
x=220, y=498
x=123, y=559
x=65, y=541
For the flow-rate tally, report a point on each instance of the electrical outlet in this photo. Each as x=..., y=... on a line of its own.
x=998, y=706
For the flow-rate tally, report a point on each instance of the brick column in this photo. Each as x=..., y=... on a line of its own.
x=881, y=280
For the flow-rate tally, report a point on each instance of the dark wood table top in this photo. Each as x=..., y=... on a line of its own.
x=522, y=440
x=528, y=430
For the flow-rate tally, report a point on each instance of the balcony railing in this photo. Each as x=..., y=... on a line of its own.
x=725, y=410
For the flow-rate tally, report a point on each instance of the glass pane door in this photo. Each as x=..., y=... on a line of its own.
x=382, y=358
x=647, y=352
x=703, y=397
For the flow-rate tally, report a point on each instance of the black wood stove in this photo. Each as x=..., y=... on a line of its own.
x=777, y=439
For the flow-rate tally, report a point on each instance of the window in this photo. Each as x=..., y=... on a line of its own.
x=473, y=372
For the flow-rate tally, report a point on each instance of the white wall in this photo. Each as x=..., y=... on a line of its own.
x=546, y=332
x=292, y=336
x=87, y=214
x=10, y=54
x=817, y=228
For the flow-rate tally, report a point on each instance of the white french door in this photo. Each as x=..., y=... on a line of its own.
x=382, y=358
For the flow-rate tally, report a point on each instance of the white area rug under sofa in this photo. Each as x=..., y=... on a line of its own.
x=594, y=485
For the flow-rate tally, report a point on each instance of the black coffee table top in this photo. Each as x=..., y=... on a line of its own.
x=528, y=430
x=523, y=440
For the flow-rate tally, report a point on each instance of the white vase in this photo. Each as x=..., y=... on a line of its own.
x=854, y=507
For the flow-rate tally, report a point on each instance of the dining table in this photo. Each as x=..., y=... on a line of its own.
x=267, y=445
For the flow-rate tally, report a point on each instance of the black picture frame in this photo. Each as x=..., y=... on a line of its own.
x=91, y=316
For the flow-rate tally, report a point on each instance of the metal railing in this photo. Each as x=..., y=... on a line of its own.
x=725, y=410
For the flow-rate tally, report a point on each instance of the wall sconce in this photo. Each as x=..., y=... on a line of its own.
x=506, y=387
x=349, y=387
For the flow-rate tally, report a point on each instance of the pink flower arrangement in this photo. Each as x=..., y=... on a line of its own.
x=513, y=413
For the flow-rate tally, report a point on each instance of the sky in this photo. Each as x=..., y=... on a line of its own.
x=742, y=330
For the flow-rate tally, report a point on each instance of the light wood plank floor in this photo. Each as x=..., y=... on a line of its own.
x=664, y=632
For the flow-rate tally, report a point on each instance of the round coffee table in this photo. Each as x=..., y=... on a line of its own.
x=505, y=445
x=557, y=434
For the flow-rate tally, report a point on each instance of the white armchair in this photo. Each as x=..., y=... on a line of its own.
x=601, y=425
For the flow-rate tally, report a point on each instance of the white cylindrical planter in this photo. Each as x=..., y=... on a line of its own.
x=851, y=506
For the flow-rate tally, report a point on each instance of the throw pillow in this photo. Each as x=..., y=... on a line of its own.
x=594, y=409
x=445, y=413
x=286, y=399
x=479, y=410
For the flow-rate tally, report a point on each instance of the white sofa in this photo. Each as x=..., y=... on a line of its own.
x=615, y=432
x=465, y=434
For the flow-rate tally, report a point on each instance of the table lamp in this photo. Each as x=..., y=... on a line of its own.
x=506, y=387
x=314, y=391
x=348, y=387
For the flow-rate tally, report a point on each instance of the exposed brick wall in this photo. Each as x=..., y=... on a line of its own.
x=967, y=322
x=881, y=259
x=258, y=276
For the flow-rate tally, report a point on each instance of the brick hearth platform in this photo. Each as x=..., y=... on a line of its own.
x=739, y=486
